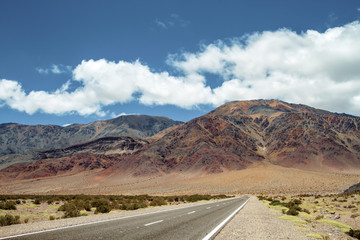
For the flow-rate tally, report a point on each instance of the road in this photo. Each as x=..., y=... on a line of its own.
x=193, y=222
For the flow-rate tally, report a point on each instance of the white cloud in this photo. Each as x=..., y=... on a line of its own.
x=318, y=69
x=114, y=115
x=55, y=69
x=172, y=21
x=160, y=24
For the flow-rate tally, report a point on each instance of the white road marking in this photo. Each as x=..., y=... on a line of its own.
x=191, y=212
x=217, y=205
x=218, y=227
x=106, y=220
x=148, y=224
x=208, y=207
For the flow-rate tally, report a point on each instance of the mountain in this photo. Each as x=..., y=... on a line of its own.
x=102, y=146
x=297, y=136
x=97, y=154
x=269, y=141
x=239, y=134
x=18, y=138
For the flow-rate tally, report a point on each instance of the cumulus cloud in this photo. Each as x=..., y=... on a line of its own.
x=320, y=69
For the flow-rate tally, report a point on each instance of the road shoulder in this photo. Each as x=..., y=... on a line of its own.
x=256, y=221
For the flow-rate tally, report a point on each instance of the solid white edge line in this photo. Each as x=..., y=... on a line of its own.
x=112, y=219
x=212, y=233
x=148, y=224
x=191, y=212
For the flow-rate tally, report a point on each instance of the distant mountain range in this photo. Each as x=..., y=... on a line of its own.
x=235, y=136
x=19, y=143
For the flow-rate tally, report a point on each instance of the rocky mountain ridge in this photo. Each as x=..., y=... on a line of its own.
x=18, y=138
x=238, y=135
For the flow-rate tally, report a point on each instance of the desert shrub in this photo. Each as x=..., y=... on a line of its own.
x=18, y=201
x=102, y=205
x=124, y=206
x=8, y=205
x=137, y=205
x=293, y=204
x=26, y=220
x=158, y=201
x=130, y=206
x=261, y=197
x=292, y=211
x=319, y=217
x=87, y=206
x=305, y=210
x=197, y=197
x=99, y=202
x=270, y=199
x=52, y=217
x=37, y=201
x=105, y=208
x=354, y=233
x=81, y=204
x=70, y=210
x=9, y=220
x=275, y=203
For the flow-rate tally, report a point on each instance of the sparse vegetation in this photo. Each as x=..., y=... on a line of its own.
x=8, y=205
x=9, y=220
x=354, y=233
x=336, y=212
x=51, y=207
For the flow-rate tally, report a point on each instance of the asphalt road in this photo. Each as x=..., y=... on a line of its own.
x=194, y=222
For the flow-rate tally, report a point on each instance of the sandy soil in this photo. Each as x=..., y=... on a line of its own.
x=264, y=178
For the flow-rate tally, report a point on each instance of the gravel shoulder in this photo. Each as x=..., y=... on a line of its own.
x=256, y=221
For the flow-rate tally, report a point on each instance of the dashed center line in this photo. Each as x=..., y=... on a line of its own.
x=208, y=207
x=217, y=205
x=191, y=212
x=148, y=224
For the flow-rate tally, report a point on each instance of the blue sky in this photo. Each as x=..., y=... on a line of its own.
x=77, y=61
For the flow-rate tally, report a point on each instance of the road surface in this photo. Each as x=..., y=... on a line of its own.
x=199, y=221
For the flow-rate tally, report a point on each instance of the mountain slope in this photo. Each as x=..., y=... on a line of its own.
x=298, y=136
x=236, y=136
x=17, y=138
x=100, y=148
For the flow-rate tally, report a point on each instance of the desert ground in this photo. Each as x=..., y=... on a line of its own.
x=262, y=178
